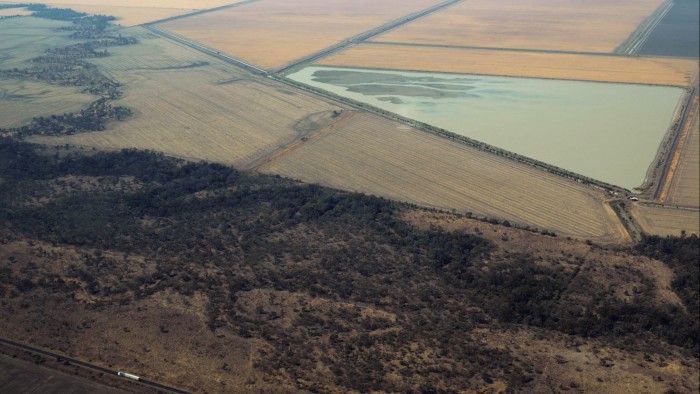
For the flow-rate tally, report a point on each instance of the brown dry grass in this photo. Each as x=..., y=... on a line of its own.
x=20, y=101
x=272, y=33
x=658, y=220
x=655, y=71
x=567, y=25
x=195, y=110
x=376, y=156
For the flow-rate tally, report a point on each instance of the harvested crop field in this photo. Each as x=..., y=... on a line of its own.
x=135, y=12
x=20, y=101
x=14, y=11
x=660, y=220
x=191, y=106
x=273, y=33
x=652, y=71
x=560, y=25
x=28, y=37
x=377, y=156
x=685, y=185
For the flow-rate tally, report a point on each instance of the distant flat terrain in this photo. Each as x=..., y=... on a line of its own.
x=273, y=33
x=652, y=71
x=562, y=25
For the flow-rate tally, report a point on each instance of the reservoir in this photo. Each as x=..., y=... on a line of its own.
x=610, y=132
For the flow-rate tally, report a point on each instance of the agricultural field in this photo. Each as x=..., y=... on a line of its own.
x=377, y=156
x=660, y=220
x=553, y=25
x=273, y=33
x=26, y=38
x=685, y=185
x=20, y=101
x=677, y=33
x=135, y=12
x=13, y=11
x=652, y=71
x=191, y=106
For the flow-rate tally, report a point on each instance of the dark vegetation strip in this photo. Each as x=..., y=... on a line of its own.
x=67, y=66
x=259, y=209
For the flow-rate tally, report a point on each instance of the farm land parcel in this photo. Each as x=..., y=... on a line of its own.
x=609, y=132
x=558, y=25
x=642, y=70
x=273, y=33
x=135, y=12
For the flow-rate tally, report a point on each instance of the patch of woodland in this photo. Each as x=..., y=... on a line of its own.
x=357, y=299
x=65, y=66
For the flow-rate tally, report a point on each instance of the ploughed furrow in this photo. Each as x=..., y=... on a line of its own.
x=377, y=156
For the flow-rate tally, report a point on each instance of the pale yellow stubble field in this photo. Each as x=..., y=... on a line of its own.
x=135, y=12
x=373, y=155
x=14, y=11
x=563, y=25
x=273, y=33
x=190, y=106
x=658, y=220
x=654, y=71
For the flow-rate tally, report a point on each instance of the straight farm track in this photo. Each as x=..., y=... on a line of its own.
x=377, y=156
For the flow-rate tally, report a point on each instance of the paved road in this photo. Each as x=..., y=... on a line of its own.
x=88, y=365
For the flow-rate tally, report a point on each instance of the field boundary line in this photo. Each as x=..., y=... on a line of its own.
x=526, y=50
x=197, y=12
x=639, y=36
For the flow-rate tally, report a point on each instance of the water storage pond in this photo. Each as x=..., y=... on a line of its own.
x=609, y=132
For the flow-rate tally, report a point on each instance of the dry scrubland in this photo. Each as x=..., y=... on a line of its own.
x=562, y=25
x=659, y=220
x=653, y=71
x=273, y=33
x=376, y=156
x=190, y=108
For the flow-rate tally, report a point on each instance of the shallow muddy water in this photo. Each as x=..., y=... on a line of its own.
x=605, y=131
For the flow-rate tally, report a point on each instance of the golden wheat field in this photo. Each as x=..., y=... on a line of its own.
x=562, y=25
x=653, y=71
x=660, y=220
x=377, y=156
x=685, y=185
x=273, y=33
x=190, y=106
